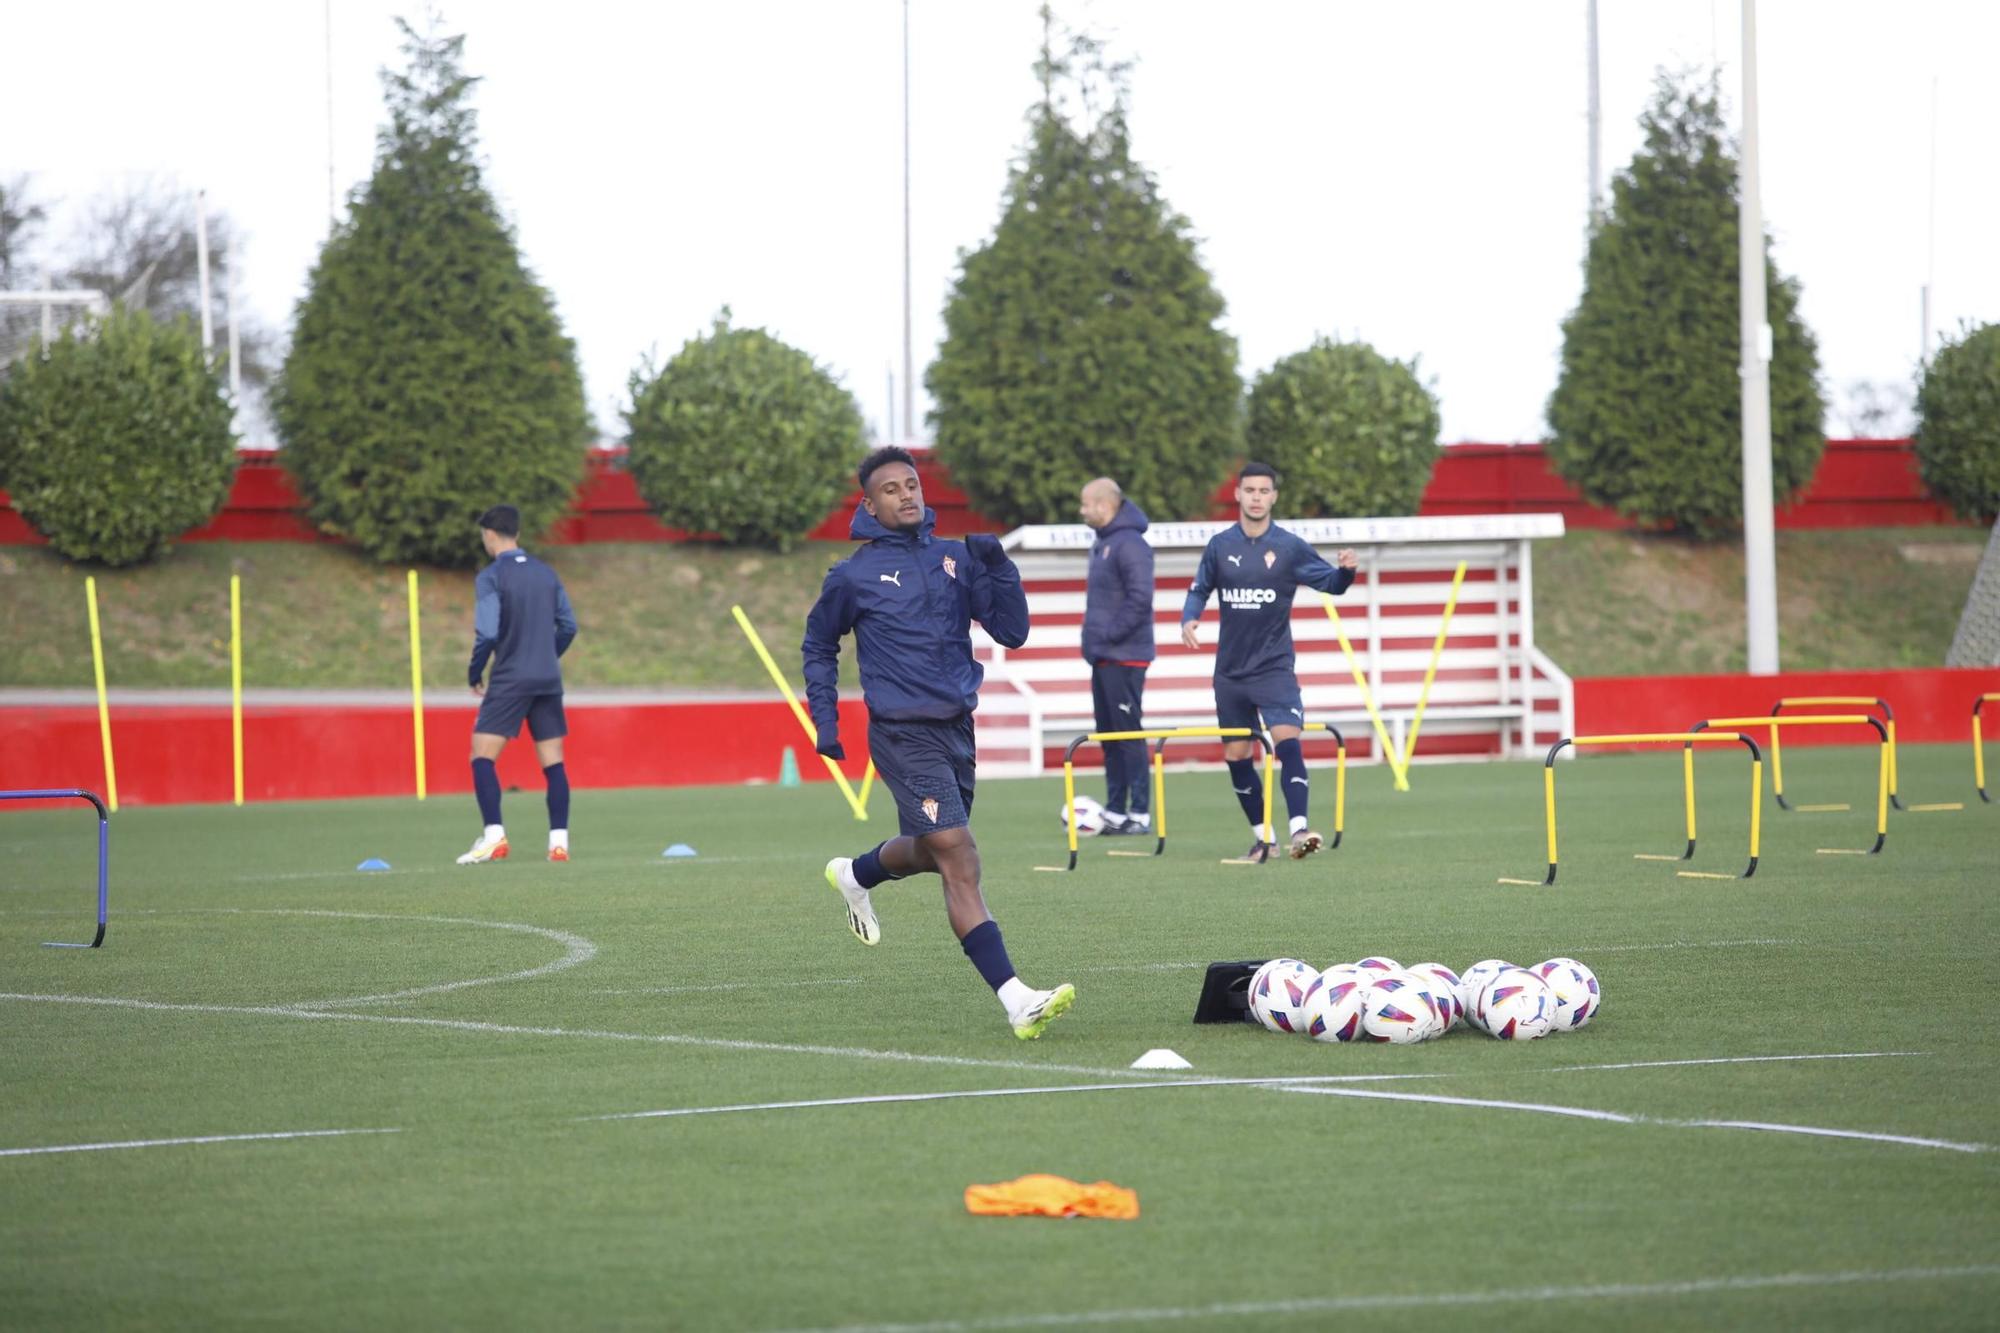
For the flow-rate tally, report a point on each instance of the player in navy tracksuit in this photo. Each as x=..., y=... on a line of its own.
x=1256, y=567
x=1118, y=644
x=910, y=599
x=522, y=621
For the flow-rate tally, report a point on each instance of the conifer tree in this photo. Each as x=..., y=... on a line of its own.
x=1082, y=338
x=1958, y=422
x=429, y=376
x=1646, y=417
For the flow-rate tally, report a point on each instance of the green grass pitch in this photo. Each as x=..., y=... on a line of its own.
x=253, y=983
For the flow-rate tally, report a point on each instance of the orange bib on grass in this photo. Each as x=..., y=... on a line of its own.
x=1051, y=1196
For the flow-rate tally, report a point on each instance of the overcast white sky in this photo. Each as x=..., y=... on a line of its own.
x=1410, y=174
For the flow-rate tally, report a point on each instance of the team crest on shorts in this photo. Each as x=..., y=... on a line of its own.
x=950, y=567
x=930, y=809
x=1270, y=559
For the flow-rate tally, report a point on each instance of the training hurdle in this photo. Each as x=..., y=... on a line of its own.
x=1834, y=701
x=1339, y=783
x=1978, y=748
x=1687, y=738
x=103, y=855
x=1161, y=734
x=1884, y=769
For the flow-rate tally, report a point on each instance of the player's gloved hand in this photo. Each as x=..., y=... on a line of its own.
x=828, y=744
x=985, y=548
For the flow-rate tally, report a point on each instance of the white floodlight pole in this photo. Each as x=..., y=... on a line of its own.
x=1930, y=236
x=1596, y=118
x=332, y=216
x=229, y=308
x=909, y=365
x=1760, y=561
x=201, y=266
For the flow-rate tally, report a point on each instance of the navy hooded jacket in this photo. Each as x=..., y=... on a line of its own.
x=1118, y=609
x=910, y=599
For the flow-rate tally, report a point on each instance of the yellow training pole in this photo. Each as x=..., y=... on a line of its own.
x=867, y=782
x=1979, y=751
x=1437, y=653
x=417, y=683
x=103, y=703
x=1069, y=806
x=1549, y=805
x=1160, y=792
x=236, y=678
x=1270, y=833
x=1756, y=806
x=1339, y=789
x=1367, y=698
x=1886, y=775
x=1892, y=758
x=1687, y=780
x=805, y=723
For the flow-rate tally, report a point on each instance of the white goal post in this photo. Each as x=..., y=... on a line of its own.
x=29, y=318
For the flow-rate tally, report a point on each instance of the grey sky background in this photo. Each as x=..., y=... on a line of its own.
x=1409, y=174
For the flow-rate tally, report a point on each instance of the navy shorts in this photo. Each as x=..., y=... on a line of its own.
x=928, y=767
x=1272, y=700
x=501, y=715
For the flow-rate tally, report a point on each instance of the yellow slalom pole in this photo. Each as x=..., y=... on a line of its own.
x=1437, y=653
x=417, y=684
x=805, y=723
x=1269, y=831
x=1367, y=698
x=867, y=783
x=236, y=678
x=103, y=702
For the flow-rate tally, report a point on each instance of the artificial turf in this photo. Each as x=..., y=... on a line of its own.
x=242, y=939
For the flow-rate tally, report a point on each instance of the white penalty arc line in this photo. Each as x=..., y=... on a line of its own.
x=1628, y=1291
x=185, y=1142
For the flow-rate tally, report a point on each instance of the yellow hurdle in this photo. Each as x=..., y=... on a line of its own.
x=1159, y=735
x=1886, y=769
x=1979, y=748
x=1687, y=739
x=854, y=802
x=1839, y=701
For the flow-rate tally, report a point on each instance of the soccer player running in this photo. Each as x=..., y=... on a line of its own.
x=522, y=621
x=910, y=599
x=1257, y=567
x=1118, y=644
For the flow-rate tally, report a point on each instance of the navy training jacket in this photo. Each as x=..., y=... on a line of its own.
x=1256, y=578
x=910, y=599
x=1118, y=608
x=521, y=619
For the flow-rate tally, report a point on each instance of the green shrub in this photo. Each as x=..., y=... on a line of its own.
x=742, y=436
x=429, y=376
x=1647, y=415
x=116, y=438
x=1958, y=423
x=1083, y=338
x=1350, y=431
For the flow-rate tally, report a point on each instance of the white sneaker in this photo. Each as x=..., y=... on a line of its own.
x=860, y=912
x=1044, y=1008
x=487, y=847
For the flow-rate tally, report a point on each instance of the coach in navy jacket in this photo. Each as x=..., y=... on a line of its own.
x=1118, y=644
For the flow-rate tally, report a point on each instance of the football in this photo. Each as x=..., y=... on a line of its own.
x=1446, y=991
x=1472, y=981
x=1379, y=966
x=1278, y=993
x=1398, y=1007
x=1089, y=816
x=1517, y=1005
x=1575, y=989
x=1333, y=1005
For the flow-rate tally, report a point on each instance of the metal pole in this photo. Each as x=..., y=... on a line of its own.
x=889, y=421
x=331, y=215
x=909, y=364
x=229, y=309
x=1930, y=237
x=201, y=265
x=1596, y=119
x=1760, y=563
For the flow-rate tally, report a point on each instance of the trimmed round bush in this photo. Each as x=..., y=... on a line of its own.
x=115, y=439
x=743, y=436
x=1350, y=431
x=1958, y=423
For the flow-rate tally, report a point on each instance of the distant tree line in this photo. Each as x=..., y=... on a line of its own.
x=428, y=374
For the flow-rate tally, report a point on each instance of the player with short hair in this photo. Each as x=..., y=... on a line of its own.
x=910, y=599
x=1257, y=567
x=1118, y=644
x=522, y=621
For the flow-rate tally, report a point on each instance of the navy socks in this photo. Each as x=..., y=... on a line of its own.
x=982, y=945
x=1292, y=770
x=1243, y=779
x=558, y=796
x=868, y=868
x=486, y=786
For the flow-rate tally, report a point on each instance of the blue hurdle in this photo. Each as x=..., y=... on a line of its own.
x=103, y=854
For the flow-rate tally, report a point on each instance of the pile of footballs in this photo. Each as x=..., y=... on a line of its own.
x=1380, y=1000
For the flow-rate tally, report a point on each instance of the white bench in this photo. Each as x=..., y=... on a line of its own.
x=1495, y=693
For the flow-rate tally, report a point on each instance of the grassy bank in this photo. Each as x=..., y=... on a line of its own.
x=657, y=616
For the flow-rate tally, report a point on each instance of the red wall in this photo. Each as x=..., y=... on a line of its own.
x=169, y=756
x=1860, y=483
x=178, y=755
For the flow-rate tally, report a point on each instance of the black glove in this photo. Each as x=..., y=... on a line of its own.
x=829, y=745
x=986, y=549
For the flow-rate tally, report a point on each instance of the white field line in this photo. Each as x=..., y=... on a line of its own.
x=1735, y=1060
x=728, y=985
x=591, y=1034
x=577, y=951
x=176, y=1143
x=1905, y=1140
x=1620, y=1291
x=1681, y=944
